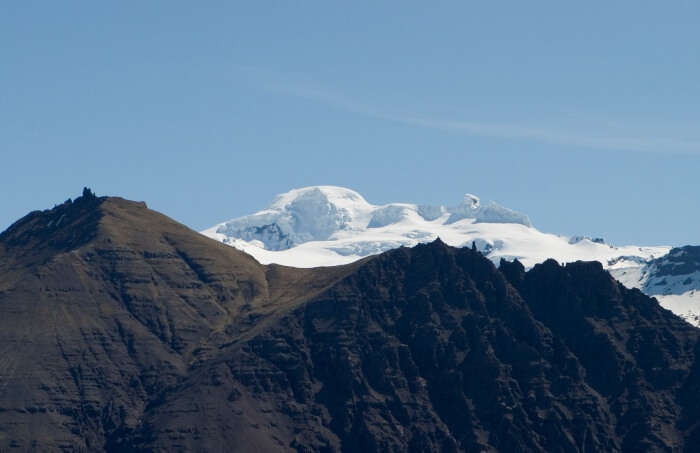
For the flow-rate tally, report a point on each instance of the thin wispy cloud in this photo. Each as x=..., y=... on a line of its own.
x=545, y=135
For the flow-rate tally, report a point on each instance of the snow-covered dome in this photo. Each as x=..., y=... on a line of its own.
x=301, y=215
x=328, y=225
x=325, y=213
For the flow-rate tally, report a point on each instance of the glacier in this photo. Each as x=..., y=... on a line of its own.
x=329, y=225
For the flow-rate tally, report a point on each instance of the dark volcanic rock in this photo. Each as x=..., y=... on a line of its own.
x=679, y=261
x=121, y=330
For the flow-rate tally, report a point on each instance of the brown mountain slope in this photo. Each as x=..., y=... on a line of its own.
x=104, y=304
x=121, y=330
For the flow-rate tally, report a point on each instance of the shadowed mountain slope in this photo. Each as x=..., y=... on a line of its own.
x=122, y=330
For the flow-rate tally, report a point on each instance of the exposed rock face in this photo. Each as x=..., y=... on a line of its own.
x=122, y=330
x=673, y=279
x=679, y=261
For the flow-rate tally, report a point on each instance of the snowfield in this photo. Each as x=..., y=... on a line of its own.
x=329, y=225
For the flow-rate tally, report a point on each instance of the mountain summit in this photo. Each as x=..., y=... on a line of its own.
x=328, y=225
x=302, y=215
x=323, y=213
x=122, y=330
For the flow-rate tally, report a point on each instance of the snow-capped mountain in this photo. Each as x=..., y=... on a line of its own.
x=674, y=279
x=328, y=225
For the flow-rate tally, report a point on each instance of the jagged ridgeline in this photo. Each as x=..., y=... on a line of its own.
x=122, y=330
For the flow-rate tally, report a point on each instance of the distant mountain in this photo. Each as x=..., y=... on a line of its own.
x=327, y=225
x=674, y=279
x=123, y=331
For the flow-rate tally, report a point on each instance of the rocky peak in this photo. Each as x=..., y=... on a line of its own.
x=64, y=227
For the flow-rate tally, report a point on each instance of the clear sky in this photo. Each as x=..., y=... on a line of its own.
x=584, y=115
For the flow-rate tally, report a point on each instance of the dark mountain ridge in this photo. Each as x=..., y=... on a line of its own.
x=122, y=330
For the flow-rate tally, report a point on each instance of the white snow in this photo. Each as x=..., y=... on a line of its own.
x=328, y=225
x=299, y=216
x=679, y=293
x=685, y=305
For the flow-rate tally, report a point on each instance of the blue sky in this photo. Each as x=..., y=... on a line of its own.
x=584, y=116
